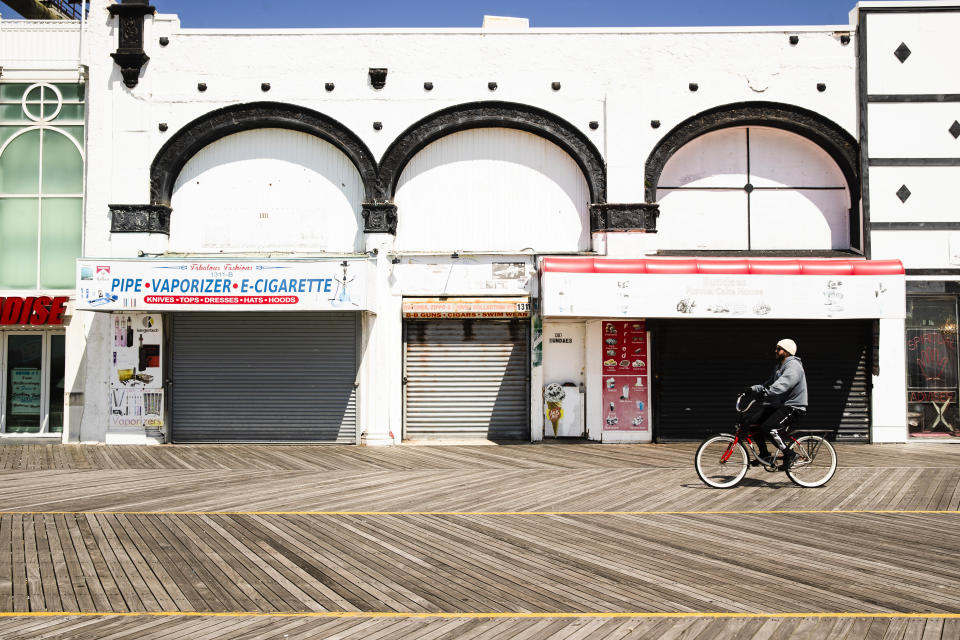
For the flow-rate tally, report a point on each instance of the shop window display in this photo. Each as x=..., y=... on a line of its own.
x=932, y=363
x=33, y=377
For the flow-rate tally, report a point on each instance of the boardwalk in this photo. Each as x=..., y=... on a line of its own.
x=527, y=541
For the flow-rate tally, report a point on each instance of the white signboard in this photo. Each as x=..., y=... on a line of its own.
x=611, y=295
x=222, y=285
x=464, y=276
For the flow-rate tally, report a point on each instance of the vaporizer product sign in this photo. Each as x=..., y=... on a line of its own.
x=136, y=377
x=211, y=285
x=625, y=381
x=136, y=408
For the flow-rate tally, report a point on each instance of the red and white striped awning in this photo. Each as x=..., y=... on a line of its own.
x=752, y=266
x=722, y=288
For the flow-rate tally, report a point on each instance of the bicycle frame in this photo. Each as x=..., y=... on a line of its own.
x=743, y=429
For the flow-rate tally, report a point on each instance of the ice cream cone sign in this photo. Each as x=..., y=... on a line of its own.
x=554, y=395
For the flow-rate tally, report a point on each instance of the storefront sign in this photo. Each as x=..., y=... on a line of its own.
x=35, y=311
x=463, y=275
x=626, y=404
x=722, y=296
x=466, y=308
x=167, y=285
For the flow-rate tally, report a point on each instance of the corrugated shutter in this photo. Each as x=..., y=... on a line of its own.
x=701, y=366
x=264, y=377
x=467, y=378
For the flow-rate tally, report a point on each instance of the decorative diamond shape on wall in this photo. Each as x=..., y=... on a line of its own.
x=955, y=129
x=903, y=52
x=903, y=193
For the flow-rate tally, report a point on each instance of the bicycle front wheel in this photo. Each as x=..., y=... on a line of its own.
x=815, y=463
x=721, y=462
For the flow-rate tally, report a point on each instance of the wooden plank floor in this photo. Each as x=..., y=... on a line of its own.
x=526, y=541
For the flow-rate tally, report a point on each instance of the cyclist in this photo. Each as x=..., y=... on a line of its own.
x=784, y=397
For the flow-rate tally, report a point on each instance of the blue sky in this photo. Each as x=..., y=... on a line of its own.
x=469, y=13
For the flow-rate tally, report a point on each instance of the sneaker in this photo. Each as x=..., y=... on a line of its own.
x=788, y=457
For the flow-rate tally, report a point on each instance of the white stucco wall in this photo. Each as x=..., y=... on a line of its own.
x=622, y=79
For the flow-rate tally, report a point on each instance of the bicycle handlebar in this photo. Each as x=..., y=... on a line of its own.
x=746, y=408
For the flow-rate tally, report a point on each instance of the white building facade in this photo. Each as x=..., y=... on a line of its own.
x=368, y=236
x=43, y=88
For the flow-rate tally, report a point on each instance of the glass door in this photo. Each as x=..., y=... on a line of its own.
x=32, y=375
x=932, y=367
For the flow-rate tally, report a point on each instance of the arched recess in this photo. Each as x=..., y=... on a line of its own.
x=267, y=190
x=828, y=135
x=507, y=115
x=212, y=126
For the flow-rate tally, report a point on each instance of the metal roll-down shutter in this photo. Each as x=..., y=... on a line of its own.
x=702, y=365
x=467, y=378
x=264, y=377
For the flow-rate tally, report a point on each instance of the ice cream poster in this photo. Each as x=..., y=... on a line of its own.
x=625, y=387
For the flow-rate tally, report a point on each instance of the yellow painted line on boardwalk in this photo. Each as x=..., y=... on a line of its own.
x=487, y=513
x=476, y=614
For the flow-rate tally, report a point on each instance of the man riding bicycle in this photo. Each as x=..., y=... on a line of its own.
x=784, y=397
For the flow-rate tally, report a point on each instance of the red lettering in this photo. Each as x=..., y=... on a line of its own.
x=41, y=309
x=26, y=310
x=57, y=308
x=11, y=310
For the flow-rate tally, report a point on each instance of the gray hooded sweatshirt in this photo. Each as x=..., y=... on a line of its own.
x=788, y=384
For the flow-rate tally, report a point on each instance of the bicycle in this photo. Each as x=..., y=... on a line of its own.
x=722, y=461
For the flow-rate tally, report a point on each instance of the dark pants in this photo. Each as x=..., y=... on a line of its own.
x=773, y=421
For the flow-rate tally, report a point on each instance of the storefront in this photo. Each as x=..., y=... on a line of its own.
x=232, y=351
x=32, y=359
x=670, y=342
x=466, y=370
x=932, y=359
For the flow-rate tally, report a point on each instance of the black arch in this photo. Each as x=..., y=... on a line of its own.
x=214, y=125
x=825, y=133
x=476, y=115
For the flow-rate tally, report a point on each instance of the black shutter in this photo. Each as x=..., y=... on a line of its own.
x=701, y=366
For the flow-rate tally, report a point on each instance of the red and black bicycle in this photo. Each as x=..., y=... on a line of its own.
x=722, y=461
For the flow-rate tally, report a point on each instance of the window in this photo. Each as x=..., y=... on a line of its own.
x=41, y=184
x=32, y=375
x=753, y=188
x=932, y=366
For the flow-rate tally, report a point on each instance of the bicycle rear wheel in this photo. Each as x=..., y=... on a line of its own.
x=721, y=462
x=815, y=463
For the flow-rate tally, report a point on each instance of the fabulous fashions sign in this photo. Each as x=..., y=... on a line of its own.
x=223, y=285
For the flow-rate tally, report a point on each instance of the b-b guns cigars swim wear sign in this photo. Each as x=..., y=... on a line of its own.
x=626, y=402
x=466, y=308
x=223, y=285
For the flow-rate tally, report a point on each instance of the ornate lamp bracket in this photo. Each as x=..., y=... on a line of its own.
x=624, y=217
x=129, y=54
x=379, y=217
